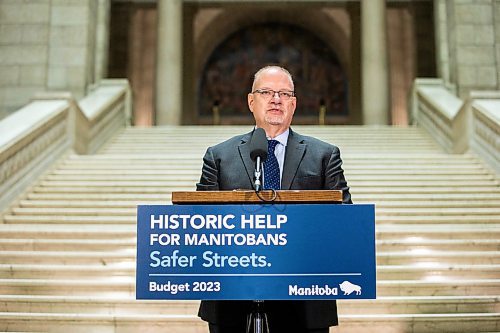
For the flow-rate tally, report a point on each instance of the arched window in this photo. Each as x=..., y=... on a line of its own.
x=227, y=77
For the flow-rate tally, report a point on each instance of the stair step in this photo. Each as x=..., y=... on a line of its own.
x=67, y=244
x=430, y=159
x=67, y=231
x=442, y=190
x=437, y=231
x=122, y=184
x=417, y=184
x=89, y=204
x=194, y=175
x=59, y=219
x=434, y=272
x=133, y=201
x=169, y=189
x=57, y=244
x=158, y=190
x=128, y=305
x=100, y=197
x=354, y=170
x=69, y=270
x=432, y=256
x=420, y=243
x=424, y=271
x=68, y=257
x=184, y=175
x=384, y=232
x=388, y=199
x=383, y=258
x=437, y=219
x=423, y=323
x=102, y=323
x=438, y=287
x=97, y=305
x=415, y=244
x=443, y=205
x=421, y=304
x=353, y=183
x=433, y=212
x=148, y=164
x=125, y=286
x=77, y=323
x=408, y=215
x=58, y=212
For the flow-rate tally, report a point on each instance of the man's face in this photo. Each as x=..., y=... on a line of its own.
x=274, y=114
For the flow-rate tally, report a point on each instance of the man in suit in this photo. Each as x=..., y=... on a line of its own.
x=305, y=163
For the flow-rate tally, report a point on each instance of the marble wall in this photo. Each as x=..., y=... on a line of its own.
x=24, y=51
x=469, y=44
x=48, y=45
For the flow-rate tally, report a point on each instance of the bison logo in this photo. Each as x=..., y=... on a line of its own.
x=348, y=287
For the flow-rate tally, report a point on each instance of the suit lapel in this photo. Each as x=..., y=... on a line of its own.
x=244, y=149
x=293, y=156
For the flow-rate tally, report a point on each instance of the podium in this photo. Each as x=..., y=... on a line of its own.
x=229, y=245
x=257, y=319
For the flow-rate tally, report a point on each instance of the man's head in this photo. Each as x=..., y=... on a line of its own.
x=272, y=100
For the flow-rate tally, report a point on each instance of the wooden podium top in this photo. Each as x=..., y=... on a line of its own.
x=249, y=197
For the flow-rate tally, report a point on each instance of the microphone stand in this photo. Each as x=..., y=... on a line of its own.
x=257, y=319
x=257, y=174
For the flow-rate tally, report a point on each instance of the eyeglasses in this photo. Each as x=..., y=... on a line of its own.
x=269, y=93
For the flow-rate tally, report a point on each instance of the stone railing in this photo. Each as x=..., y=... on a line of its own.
x=485, y=134
x=35, y=136
x=459, y=125
x=101, y=113
x=32, y=138
x=441, y=113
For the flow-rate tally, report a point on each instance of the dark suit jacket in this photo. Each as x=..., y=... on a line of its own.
x=310, y=164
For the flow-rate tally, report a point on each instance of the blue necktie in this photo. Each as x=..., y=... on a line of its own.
x=271, y=168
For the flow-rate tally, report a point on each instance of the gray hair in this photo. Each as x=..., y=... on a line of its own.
x=270, y=67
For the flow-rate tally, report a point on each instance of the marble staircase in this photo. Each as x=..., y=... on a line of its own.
x=67, y=246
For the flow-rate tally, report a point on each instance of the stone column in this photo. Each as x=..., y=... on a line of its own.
x=189, y=99
x=71, y=46
x=102, y=39
x=375, y=78
x=472, y=49
x=355, y=105
x=442, y=48
x=169, y=63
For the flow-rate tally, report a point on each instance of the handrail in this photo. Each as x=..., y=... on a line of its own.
x=459, y=125
x=486, y=130
x=32, y=138
x=441, y=113
x=101, y=113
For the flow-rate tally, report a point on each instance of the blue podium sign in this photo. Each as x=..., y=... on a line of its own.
x=248, y=252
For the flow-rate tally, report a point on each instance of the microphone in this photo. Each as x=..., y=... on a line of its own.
x=258, y=153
